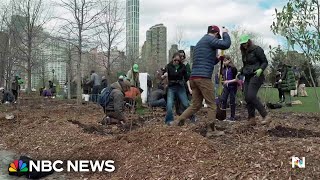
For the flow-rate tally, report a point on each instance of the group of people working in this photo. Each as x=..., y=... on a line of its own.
x=186, y=88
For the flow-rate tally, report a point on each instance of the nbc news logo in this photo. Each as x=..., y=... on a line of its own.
x=297, y=162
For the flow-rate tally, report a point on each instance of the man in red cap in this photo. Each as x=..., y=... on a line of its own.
x=205, y=58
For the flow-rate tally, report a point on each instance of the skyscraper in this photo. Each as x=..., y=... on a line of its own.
x=155, y=48
x=132, y=30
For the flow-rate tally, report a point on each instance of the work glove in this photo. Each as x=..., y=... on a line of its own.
x=258, y=72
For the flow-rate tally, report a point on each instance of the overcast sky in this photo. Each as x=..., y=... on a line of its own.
x=195, y=16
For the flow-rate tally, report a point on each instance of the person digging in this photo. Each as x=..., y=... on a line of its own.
x=205, y=58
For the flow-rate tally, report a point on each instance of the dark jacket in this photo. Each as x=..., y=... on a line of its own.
x=205, y=55
x=15, y=84
x=230, y=73
x=288, y=79
x=188, y=68
x=7, y=96
x=302, y=80
x=253, y=59
x=277, y=84
x=116, y=103
x=104, y=83
x=156, y=95
x=149, y=81
x=177, y=76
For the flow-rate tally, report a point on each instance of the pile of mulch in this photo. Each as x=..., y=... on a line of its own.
x=151, y=150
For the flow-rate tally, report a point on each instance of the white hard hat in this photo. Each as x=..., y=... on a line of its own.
x=1, y=88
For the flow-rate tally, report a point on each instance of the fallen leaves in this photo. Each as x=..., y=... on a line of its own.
x=152, y=150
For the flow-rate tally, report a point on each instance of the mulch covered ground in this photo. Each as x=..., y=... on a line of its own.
x=147, y=149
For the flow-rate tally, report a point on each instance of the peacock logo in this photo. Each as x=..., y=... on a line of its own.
x=18, y=166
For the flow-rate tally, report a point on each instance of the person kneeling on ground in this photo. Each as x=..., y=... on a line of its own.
x=133, y=96
x=157, y=98
x=7, y=96
x=115, y=107
x=47, y=93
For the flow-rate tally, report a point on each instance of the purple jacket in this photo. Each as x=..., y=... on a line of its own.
x=230, y=73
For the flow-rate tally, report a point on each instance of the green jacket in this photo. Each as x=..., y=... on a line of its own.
x=133, y=78
x=288, y=80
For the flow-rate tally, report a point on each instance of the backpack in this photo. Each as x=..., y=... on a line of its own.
x=274, y=106
x=104, y=97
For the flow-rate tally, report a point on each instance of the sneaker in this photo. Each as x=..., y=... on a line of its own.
x=230, y=119
x=266, y=120
x=171, y=123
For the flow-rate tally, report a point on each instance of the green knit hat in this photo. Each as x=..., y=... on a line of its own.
x=244, y=38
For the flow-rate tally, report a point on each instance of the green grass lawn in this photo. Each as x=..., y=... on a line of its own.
x=309, y=104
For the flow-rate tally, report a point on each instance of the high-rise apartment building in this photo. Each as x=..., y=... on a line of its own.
x=155, y=48
x=132, y=30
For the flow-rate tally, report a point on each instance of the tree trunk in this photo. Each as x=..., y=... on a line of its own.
x=108, y=61
x=29, y=65
x=79, y=68
x=69, y=71
x=314, y=85
x=8, y=73
x=2, y=68
x=79, y=80
x=69, y=84
x=29, y=79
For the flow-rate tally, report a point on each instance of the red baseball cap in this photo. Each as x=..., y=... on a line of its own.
x=214, y=29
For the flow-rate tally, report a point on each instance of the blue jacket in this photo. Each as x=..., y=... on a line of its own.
x=205, y=55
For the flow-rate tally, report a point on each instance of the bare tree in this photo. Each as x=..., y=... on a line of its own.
x=112, y=26
x=3, y=45
x=85, y=14
x=180, y=39
x=26, y=25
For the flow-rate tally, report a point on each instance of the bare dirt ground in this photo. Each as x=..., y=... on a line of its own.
x=147, y=149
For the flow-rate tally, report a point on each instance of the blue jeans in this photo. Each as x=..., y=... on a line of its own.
x=178, y=91
x=158, y=103
x=232, y=91
x=95, y=93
